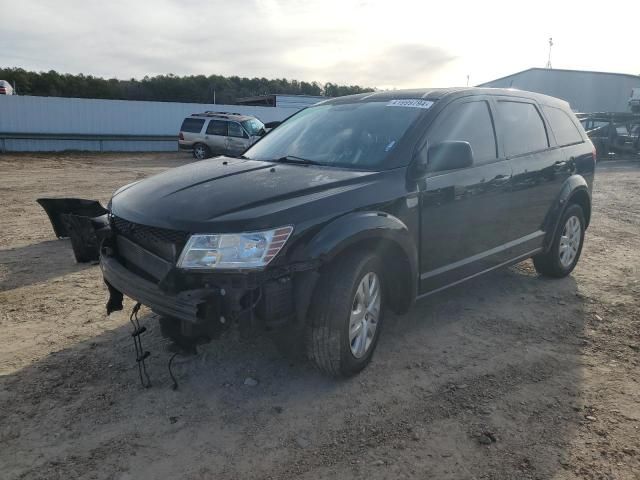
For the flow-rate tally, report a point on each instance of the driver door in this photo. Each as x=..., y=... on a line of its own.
x=464, y=212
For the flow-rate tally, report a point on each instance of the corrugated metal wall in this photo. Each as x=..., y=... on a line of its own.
x=585, y=91
x=78, y=116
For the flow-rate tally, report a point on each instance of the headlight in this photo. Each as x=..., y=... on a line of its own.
x=241, y=250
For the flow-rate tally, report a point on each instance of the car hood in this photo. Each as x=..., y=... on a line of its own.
x=229, y=194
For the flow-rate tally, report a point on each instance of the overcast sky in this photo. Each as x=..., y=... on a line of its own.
x=386, y=44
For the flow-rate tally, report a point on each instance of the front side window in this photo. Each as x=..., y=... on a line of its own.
x=217, y=127
x=235, y=130
x=358, y=135
x=192, y=125
x=468, y=122
x=522, y=128
x=253, y=126
x=563, y=128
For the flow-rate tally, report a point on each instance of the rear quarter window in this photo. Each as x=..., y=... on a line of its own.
x=523, y=130
x=192, y=125
x=563, y=128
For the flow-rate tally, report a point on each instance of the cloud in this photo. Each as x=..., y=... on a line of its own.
x=398, y=65
x=265, y=38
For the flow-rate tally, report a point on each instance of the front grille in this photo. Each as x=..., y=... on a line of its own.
x=163, y=242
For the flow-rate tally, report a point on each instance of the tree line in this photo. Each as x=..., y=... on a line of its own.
x=165, y=88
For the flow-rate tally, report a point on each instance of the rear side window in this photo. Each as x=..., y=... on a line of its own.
x=522, y=128
x=217, y=127
x=563, y=128
x=469, y=122
x=192, y=125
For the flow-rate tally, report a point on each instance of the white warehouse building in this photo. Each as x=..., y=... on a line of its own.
x=584, y=90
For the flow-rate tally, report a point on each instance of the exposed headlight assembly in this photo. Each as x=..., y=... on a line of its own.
x=233, y=250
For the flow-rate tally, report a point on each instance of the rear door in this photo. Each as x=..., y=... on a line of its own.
x=539, y=170
x=464, y=212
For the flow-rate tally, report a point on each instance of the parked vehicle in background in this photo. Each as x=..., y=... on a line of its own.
x=613, y=133
x=5, y=88
x=351, y=207
x=634, y=100
x=219, y=133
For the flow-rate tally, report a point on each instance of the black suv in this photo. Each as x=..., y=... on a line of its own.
x=350, y=207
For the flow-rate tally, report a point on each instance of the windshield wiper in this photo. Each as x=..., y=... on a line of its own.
x=298, y=160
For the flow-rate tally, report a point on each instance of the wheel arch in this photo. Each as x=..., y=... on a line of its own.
x=380, y=232
x=575, y=190
x=581, y=197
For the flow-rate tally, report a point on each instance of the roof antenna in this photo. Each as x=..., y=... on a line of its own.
x=549, y=60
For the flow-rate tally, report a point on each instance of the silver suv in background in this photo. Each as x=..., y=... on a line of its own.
x=5, y=88
x=219, y=133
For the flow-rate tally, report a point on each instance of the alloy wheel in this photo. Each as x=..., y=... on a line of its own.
x=199, y=152
x=365, y=313
x=570, y=241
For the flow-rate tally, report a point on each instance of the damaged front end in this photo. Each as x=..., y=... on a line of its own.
x=85, y=222
x=140, y=261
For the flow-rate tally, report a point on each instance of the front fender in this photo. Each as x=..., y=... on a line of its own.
x=358, y=227
x=574, y=188
x=362, y=228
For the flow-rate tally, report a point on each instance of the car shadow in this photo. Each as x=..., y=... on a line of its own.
x=37, y=263
x=497, y=354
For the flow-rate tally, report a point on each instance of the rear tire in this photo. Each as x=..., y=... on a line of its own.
x=566, y=248
x=346, y=315
x=201, y=151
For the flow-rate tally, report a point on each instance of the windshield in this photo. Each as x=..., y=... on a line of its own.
x=253, y=126
x=353, y=135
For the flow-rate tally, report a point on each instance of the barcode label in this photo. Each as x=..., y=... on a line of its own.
x=411, y=103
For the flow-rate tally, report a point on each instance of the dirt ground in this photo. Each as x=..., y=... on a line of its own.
x=507, y=376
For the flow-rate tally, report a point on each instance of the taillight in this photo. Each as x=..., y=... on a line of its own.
x=594, y=153
x=181, y=136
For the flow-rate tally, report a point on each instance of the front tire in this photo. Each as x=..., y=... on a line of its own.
x=566, y=248
x=346, y=315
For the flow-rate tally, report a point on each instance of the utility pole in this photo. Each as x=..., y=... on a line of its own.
x=549, y=60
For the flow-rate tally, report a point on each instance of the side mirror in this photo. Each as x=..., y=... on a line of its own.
x=449, y=156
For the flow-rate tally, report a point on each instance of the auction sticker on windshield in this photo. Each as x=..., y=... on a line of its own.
x=412, y=103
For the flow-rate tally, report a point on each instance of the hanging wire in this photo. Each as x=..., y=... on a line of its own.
x=141, y=355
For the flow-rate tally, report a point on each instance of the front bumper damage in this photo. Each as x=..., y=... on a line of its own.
x=85, y=222
x=205, y=303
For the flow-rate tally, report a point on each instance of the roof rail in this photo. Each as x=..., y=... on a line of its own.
x=210, y=113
